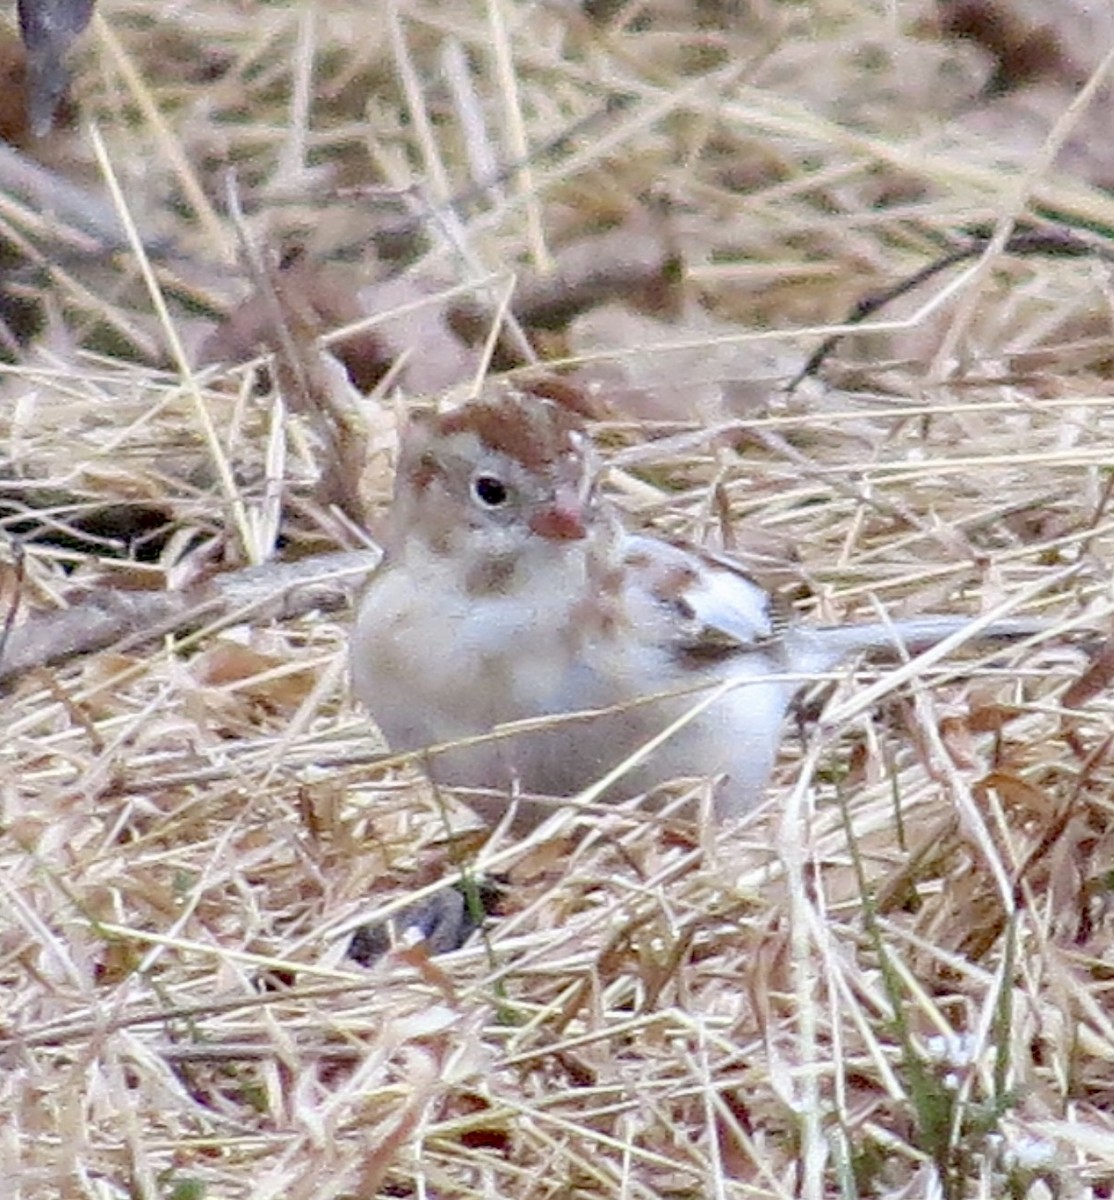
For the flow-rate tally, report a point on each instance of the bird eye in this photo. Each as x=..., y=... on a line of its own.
x=489, y=491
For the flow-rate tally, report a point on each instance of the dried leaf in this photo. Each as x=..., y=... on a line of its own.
x=49, y=27
x=1022, y=797
x=481, y=1132
x=229, y=663
x=700, y=372
x=991, y=717
x=1030, y=40
x=1096, y=678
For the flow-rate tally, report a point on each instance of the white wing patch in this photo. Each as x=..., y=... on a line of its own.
x=731, y=603
x=695, y=602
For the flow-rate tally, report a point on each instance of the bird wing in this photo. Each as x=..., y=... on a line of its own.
x=695, y=601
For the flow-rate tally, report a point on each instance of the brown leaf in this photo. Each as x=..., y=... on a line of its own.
x=1017, y=793
x=430, y=354
x=15, y=116
x=312, y=297
x=691, y=367
x=1031, y=39
x=540, y=861
x=737, y=1162
x=991, y=717
x=1022, y=50
x=418, y=957
x=291, y=309
x=955, y=732
x=118, y=960
x=1095, y=678
x=481, y=1132
x=229, y=663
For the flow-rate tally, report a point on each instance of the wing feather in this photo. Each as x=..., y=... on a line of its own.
x=696, y=602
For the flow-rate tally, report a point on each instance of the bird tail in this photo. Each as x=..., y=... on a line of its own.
x=823, y=647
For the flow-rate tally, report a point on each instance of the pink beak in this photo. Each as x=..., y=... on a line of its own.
x=561, y=521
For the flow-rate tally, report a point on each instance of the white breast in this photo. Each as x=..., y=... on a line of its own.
x=433, y=665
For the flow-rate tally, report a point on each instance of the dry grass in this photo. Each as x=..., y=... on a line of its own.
x=894, y=980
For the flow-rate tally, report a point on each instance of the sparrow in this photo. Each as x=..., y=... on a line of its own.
x=518, y=632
